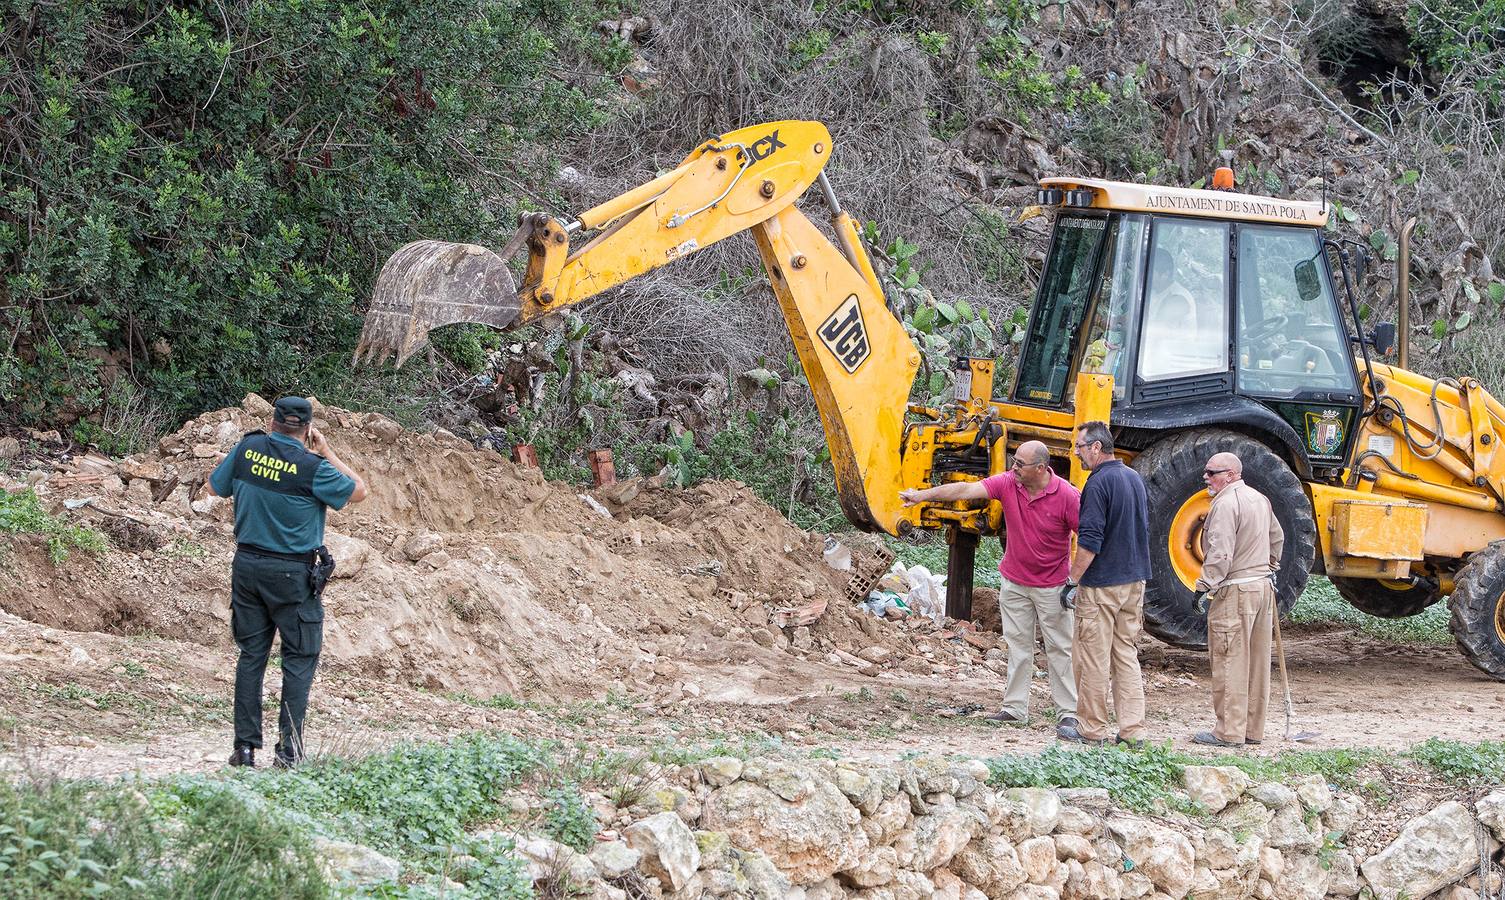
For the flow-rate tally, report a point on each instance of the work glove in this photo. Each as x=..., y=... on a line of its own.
x=1201, y=602
x=1068, y=596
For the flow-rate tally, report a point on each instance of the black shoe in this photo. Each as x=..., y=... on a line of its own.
x=1131, y=743
x=1069, y=733
x=243, y=756
x=285, y=760
x=1255, y=741
x=1004, y=715
x=1067, y=722
x=1211, y=740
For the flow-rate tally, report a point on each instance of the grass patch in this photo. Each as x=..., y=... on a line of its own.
x=22, y=513
x=1320, y=604
x=1149, y=778
x=1461, y=762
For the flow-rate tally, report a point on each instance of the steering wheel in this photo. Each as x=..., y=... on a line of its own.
x=1267, y=328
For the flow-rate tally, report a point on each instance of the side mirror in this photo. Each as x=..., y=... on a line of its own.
x=1383, y=338
x=1308, y=282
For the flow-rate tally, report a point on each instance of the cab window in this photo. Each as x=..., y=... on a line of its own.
x=1287, y=343
x=1186, y=301
x=1116, y=313
x=1062, y=302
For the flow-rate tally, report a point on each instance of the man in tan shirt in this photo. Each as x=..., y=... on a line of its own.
x=1242, y=542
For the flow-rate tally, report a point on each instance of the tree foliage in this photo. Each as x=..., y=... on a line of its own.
x=196, y=196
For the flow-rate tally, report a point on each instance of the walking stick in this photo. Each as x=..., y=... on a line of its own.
x=1285, y=683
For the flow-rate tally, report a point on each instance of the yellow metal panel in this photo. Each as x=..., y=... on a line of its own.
x=1378, y=529
x=1050, y=418
x=1194, y=202
x=1453, y=532
x=1094, y=403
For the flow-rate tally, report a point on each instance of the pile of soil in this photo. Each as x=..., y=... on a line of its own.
x=464, y=571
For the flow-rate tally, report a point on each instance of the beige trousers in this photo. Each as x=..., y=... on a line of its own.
x=1108, y=622
x=1239, y=622
x=1021, y=607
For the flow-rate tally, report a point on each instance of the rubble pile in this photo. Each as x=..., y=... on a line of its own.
x=934, y=827
x=465, y=571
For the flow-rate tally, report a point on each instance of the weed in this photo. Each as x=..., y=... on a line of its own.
x=101, y=700
x=495, y=701
x=568, y=819
x=1461, y=762
x=862, y=694
x=22, y=513
x=1320, y=603
x=134, y=669
x=183, y=548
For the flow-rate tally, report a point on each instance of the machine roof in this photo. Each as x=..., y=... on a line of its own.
x=1152, y=198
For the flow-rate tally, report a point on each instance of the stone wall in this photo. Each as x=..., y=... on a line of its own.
x=930, y=827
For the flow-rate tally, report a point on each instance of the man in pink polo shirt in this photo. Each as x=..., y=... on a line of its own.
x=1039, y=515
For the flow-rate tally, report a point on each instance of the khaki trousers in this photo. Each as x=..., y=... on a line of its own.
x=1108, y=623
x=1239, y=622
x=1021, y=607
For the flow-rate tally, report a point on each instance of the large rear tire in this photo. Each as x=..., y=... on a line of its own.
x=1172, y=471
x=1386, y=599
x=1477, y=605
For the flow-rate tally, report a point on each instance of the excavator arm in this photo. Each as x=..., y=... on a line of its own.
x=858, y=359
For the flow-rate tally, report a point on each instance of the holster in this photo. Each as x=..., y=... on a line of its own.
x=320, y=571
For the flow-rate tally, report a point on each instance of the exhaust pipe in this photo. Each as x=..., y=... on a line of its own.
x=1403, y=296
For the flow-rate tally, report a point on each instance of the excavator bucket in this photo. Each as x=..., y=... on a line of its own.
x=427, y=284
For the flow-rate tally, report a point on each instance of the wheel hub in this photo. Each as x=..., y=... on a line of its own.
x=1185, y=538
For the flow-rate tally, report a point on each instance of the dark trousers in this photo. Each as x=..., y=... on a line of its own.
x=268, y=594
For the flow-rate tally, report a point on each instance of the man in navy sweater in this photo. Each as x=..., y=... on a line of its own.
x=1111, y=565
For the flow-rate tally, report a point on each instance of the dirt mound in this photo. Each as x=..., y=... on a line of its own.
x=464, y=571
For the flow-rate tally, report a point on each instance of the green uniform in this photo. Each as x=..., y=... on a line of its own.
x=281, y=492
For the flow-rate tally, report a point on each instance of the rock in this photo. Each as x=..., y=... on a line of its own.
x=206, y=505
x=668, y=848
x=1133, y=885
x=1313, y=792
x=614, y=859
x=1164, y=855
x=877, y=868
x=1343, y=875
x=1218, y=850
x=1492, y=813
x=1275, y=796
x=1271, y=864
x=761, y=879
x=991, y=864
x=1089, y=798
x=1076, y=821
x=435, y=561
x=350, y=554
x=1432, y=851
x=547, y=859
x=1304, y=878
x=941, y=836
x=720, y=771
x=1214, y=787
x=1290, y=829
x=422, y=544
x=1043, y=805
x=873, y=654
x=134, y=467
x=1248, y=816
x=1342, y=815
x=1093, y=881
x=861, y=788
x=803, y=823
x=353, y=863
x=10, y=448
x=1038, y=857
x=1461, y=892
x=256, y=406
x=382, y=428
x=1074, y=846
x=1033, y=892
x=205, y=451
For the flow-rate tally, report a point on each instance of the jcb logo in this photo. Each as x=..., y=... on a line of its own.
x=845, y=335
x=764, y=147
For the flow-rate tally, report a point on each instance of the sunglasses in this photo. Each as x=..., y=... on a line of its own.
x=1208, y=473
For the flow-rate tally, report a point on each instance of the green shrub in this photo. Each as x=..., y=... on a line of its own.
x=568, y=819
x=22, y=513
x=1139, y=779
x=199, y=194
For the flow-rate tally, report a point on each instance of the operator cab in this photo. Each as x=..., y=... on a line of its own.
x=1202, y=305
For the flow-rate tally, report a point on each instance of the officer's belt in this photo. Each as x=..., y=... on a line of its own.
x=306, y=557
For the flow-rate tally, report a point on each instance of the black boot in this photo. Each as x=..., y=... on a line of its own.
x=243, y=756
x=286, y=759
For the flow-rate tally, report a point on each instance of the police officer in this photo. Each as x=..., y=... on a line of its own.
x=282, y=483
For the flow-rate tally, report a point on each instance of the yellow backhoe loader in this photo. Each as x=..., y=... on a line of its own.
x=1194, y=321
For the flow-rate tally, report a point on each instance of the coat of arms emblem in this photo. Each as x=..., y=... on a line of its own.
x=1324, y=432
